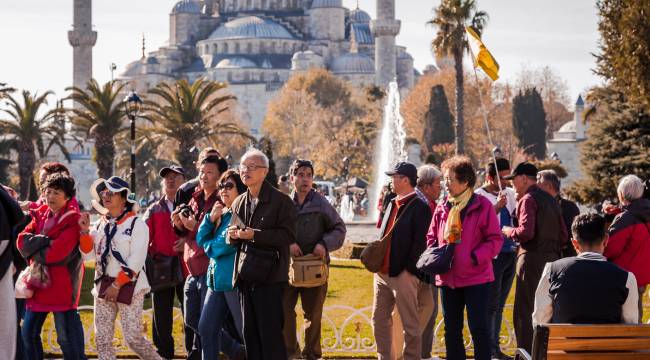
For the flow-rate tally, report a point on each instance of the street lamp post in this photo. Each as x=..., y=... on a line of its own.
x=132, y=104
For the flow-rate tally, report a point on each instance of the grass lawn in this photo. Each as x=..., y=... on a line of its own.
x=344, y=327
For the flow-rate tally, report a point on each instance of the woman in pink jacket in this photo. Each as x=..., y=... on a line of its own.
x=469, y=221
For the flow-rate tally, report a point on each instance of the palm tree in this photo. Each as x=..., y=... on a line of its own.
x=188, y=113
x=25, y=132
x=450, y=18
x=99, y=115
x=5, y=90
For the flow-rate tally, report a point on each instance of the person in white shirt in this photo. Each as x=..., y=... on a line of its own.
x=586, y=289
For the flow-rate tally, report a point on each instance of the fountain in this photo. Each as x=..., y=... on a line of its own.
x=390, y=150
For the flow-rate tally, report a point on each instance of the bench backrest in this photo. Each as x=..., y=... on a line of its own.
x=573, y=342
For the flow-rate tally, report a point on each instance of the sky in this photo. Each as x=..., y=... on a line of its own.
x=521, y=33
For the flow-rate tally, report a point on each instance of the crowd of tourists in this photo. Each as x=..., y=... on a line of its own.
x=237, y=254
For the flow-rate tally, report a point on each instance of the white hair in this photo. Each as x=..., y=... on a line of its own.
x=428, y=174
x=630, y=188
x=255, y=154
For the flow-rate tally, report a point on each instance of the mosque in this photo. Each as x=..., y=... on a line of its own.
x=257, y=45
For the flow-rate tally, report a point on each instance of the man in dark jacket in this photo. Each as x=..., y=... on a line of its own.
x=10, y=216
x=586, y=289
x=263, y=227
x=405, y=223
x=320, y=230
x=548, y=181
x=541, y=233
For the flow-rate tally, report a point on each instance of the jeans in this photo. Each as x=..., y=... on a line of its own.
x=69, y=331
x=20, y=314
x=454, y=302
x=504, y=274
x=194, y=295
x=214, y=339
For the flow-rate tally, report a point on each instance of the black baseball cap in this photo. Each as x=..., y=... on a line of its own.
x=173, y=168
x=524, y=168
x=406, y=169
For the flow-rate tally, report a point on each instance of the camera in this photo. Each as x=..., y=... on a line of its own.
x=186, y=210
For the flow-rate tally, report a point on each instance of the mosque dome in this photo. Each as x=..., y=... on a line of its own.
x=303, y=55
x=327, y=4
x=359, y=16
x=152, y=60
x=353, y=63
x=187, y=7
x=251, y=27
x=236, y=62
x=569, y=127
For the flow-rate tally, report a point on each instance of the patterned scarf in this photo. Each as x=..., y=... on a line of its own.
x=454, y=226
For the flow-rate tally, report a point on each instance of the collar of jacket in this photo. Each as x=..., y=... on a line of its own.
x=264, y=195
x=197, y=195
x=308, y=198
x=70, y=213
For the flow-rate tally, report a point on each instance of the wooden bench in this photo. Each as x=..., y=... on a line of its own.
x=577, y=342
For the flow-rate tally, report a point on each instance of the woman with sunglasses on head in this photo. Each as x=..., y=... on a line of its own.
x=118, y=244
x=221, y=298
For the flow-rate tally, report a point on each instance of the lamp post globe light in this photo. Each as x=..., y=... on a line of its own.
x=132, y=105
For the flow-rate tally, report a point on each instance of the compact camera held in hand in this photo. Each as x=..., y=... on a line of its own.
x=186, y=210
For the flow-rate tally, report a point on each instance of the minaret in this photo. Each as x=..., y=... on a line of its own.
x=82, y=38
x=579, y=119
x=385, y=29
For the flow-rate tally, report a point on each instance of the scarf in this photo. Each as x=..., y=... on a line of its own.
x=454, y=226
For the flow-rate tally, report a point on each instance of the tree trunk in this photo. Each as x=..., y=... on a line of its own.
x=460, y=102
x=185, y=158
x=105, y=156
x=26, y=163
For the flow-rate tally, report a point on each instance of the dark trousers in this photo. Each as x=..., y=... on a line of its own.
x=504, y=274
x=194, y=295
x=312, y=300
x=20, y=313
x=263, y=320
x=69, y=334
x=163, y=319
x=530, y=266
x=430, y=327
x=454, y=302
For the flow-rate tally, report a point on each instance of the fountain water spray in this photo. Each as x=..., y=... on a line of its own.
x=392, y=144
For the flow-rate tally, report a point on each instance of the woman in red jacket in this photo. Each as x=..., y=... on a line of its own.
x=629, y=235
x=50, y=243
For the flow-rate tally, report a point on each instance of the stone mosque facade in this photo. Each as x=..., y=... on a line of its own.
x=257, y=45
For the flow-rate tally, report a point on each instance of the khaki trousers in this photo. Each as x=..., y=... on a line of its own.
x=427, y=306
x=312, y=300
x=399, y=293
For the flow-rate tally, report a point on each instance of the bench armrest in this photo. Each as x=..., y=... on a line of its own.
x=522, y=354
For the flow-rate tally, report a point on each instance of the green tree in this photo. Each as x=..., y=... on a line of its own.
x=189, y=113
x=439, y=123
x=618, y=144
x=28, y=130
x=98, y=114
x=625, y=48
x=451, y=18
x=266, y=146
x=529, y=122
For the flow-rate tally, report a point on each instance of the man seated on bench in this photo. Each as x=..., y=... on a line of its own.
x=586, y=289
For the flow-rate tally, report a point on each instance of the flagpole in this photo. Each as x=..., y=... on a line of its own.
x=485, y=117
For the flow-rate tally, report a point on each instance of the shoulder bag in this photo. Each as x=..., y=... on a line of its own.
x=308, y=271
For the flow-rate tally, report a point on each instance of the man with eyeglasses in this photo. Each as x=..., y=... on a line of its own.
x=319, y=231
x=263, y=227
x=504, y=200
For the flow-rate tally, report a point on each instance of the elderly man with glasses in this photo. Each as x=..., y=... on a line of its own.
x=263, y=226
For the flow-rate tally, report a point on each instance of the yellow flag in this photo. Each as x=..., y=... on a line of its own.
x=481, y=55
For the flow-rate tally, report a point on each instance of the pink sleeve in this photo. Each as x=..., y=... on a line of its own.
x=526, y=216
x=432, y=234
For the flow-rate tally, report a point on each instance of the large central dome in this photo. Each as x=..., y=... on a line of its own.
x=251, y=27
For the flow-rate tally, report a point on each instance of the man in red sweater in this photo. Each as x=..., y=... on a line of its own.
x=163, y=243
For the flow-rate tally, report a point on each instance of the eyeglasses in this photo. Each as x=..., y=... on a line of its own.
x=246, y=168
x=106, y=193
x=226, y=186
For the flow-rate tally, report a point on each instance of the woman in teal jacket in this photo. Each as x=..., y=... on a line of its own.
x=221, y=298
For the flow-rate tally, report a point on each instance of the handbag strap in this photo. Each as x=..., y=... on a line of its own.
x=390, y=231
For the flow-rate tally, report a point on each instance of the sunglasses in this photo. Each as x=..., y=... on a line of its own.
x=226, y=186
x=106, y=193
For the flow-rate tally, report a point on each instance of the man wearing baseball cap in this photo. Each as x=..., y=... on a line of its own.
x=164, y=243
x=405, y=224
x=541, y=233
